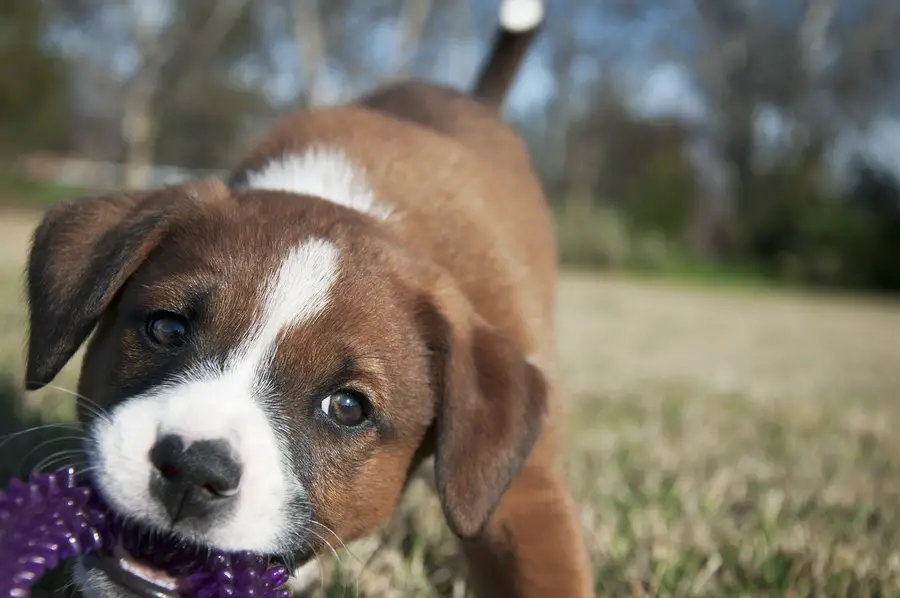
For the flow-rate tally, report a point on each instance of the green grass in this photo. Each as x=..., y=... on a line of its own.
x=687, y=270
x=22, y=192
x=723, y=442
x=600, y=238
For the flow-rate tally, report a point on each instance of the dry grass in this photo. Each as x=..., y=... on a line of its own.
x=723, y=443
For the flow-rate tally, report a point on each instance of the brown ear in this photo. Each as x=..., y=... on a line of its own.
x=491, y=405
x=81, y=254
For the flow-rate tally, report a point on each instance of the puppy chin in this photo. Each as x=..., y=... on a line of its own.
x=93, y=583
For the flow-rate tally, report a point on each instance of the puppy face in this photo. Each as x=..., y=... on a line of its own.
x=271, y=366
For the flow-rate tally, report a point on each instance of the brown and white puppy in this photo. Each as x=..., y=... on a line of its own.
x=374, y=285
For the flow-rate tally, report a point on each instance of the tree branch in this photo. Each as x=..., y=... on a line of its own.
x=311, y=41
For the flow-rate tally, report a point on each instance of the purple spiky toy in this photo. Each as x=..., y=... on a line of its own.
x=54, y=516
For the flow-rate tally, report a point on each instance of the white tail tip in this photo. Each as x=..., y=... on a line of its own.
x=521, y=15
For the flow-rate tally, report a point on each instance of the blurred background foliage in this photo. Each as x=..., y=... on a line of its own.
x=705, y=137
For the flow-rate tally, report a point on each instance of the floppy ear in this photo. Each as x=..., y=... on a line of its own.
x=81, y=254
x=491, y=405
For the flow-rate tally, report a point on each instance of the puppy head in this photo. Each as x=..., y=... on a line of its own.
x=268, y=364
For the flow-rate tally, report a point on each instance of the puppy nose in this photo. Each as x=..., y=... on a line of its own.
x=194, y=481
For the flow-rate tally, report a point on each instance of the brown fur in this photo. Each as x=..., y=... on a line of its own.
x=444, y=317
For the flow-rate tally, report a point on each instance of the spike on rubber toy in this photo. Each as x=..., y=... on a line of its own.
x=53, y=517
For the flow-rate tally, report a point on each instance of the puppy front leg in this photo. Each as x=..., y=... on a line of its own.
x=533, y=547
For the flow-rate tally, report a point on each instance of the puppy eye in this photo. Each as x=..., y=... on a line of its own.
x=167, y=329
x=347, y=408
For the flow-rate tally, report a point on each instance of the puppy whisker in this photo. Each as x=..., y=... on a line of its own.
x=59, y=459
x=291, y=563
x=82, y=471
x=335, y=553
x=69, y=586
x=343, y=545
x=288, y=560
x=75, y=426
x=321, y=567
x=91, y=406
x=48, y=442
x=327, y=543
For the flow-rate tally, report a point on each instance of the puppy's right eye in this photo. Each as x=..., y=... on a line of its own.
x=347, y=408
x=167, y=329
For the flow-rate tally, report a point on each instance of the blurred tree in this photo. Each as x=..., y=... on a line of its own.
x=750, y=61
x=309, y=37
x=339, y=40
x=826, y=67
x=864, y=75
x=184, y=82
x=169, y=54
x=556, y=147
x=34, y=81
x=647, y=172
x=159, y=57
x=823, y=73
x=197, y=133
x=410, y=25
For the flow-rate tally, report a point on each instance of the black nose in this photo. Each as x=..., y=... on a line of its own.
x=196, y=481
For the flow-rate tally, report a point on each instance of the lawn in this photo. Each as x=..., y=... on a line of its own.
x=724, y=442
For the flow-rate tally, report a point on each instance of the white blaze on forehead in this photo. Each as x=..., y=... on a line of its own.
x=327, y=173
x=232, y=403
x=297, y=292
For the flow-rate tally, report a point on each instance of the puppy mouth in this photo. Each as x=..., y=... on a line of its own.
x=147, y=563
x=136, y=577
x=152, y=563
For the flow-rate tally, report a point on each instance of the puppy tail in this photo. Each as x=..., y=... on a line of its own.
x=520, y=21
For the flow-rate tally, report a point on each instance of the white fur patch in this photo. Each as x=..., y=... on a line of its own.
x=323, y=172
x=521, y=15
x=207, y=403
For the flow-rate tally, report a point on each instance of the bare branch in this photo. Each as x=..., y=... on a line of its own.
x=410, y=25
x=167, y=58
x=311, y=40
x=201, y=47
x=813, y=34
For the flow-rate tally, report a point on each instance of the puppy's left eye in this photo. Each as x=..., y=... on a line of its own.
x=167, y=329
x=347, y=408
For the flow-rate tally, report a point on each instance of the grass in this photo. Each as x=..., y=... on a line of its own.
x=592, y=238
x=723, y=442
x=686, y=270
x=20, y=191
